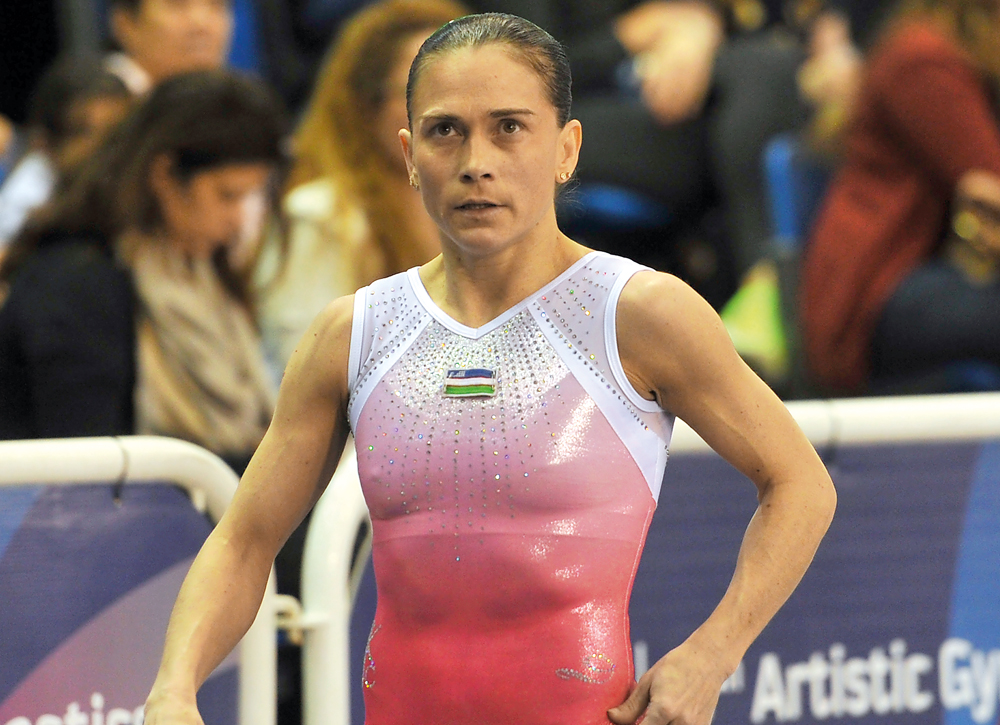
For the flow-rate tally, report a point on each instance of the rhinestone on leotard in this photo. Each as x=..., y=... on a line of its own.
x=596, y=669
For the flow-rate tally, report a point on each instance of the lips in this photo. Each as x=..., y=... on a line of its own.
x=477, y=205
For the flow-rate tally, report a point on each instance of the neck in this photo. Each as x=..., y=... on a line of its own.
x=476, y=289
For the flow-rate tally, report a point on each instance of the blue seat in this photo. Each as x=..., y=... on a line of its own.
x=796, y=182
x=245, y=52
x=607, y=207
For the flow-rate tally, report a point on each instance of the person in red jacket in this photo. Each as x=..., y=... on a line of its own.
x=882, y=295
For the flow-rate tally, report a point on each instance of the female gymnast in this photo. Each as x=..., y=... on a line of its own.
x=511, y=403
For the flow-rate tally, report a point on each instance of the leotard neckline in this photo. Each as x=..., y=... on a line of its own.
x=474, y=333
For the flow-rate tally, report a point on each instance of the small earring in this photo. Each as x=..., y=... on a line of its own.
x=413, y=181
x=564, y=176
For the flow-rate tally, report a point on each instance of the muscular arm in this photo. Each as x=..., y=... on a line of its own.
x=697, y=375
x=222, y=592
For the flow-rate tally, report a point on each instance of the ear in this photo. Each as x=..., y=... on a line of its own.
x=123, y=23
x=162, y=181
x=568, y=150
x=406, y=141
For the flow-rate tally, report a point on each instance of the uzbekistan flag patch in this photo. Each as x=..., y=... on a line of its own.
x=475, y=382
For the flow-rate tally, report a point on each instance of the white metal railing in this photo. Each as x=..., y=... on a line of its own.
x=330, y=578
x=327, y=567
x=137, y=460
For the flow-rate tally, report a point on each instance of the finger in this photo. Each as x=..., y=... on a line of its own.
x=630, y=710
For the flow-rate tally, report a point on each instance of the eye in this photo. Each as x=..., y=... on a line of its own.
x=443, y=128
x=509, y=125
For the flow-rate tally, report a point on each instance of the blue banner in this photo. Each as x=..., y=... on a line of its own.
x=898, y=619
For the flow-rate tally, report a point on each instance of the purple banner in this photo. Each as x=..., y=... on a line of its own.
x=87, y=582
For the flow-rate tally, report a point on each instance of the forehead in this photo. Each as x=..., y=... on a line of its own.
x=479, y=78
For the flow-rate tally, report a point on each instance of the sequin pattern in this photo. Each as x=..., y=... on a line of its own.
x=368, y=675
x=482, y=449
x=595, y=669
x=513, y=520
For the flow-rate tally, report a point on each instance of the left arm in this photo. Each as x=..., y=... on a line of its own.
x=698, y=376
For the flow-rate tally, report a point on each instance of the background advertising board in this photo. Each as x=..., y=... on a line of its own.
x=88, y=576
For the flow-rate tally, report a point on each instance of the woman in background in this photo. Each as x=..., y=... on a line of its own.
x=73, y=106
x=352, y=215
x=122, y=313
x=884, y=297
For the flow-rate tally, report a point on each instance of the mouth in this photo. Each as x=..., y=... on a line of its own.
x=477, y=205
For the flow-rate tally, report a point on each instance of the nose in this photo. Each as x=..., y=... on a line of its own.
x=479, y=160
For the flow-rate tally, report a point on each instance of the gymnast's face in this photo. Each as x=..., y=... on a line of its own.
x=486, y=148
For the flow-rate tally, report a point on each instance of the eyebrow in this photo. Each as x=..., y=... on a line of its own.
x=438, y=117
x=511, y=112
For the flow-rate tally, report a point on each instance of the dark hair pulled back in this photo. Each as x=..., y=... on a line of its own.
x=535, y=47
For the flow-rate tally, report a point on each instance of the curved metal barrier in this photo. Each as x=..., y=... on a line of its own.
x=88, y=467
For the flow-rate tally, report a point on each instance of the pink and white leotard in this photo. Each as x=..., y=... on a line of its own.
x=507, y=526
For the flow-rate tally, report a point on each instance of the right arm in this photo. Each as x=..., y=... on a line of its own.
x=296, y=459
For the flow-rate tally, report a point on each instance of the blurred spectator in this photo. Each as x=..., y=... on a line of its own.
x=74, y=105
x=122, y=314
x=161, y=38
x=879, y=300
x=294, y=36
x=828, y=81
x=352, y=215
x=830, y=77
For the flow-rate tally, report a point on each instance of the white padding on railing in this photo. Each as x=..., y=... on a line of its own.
x=329, y=582
x=137, y=460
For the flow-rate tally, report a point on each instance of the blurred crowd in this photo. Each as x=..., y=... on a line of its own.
x=170, y=224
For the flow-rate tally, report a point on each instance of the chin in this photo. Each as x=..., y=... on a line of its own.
x=483, y=242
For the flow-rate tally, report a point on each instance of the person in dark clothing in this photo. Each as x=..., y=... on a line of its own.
x=74, y=105
x=899, y=278
x=67, y=345
x=120, y=313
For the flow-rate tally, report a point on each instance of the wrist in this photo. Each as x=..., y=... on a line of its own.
x=167, y=690
x=722, y=649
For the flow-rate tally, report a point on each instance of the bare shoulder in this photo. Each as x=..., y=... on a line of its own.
x=659, y=299
x=319, y=363
x=670, y=338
